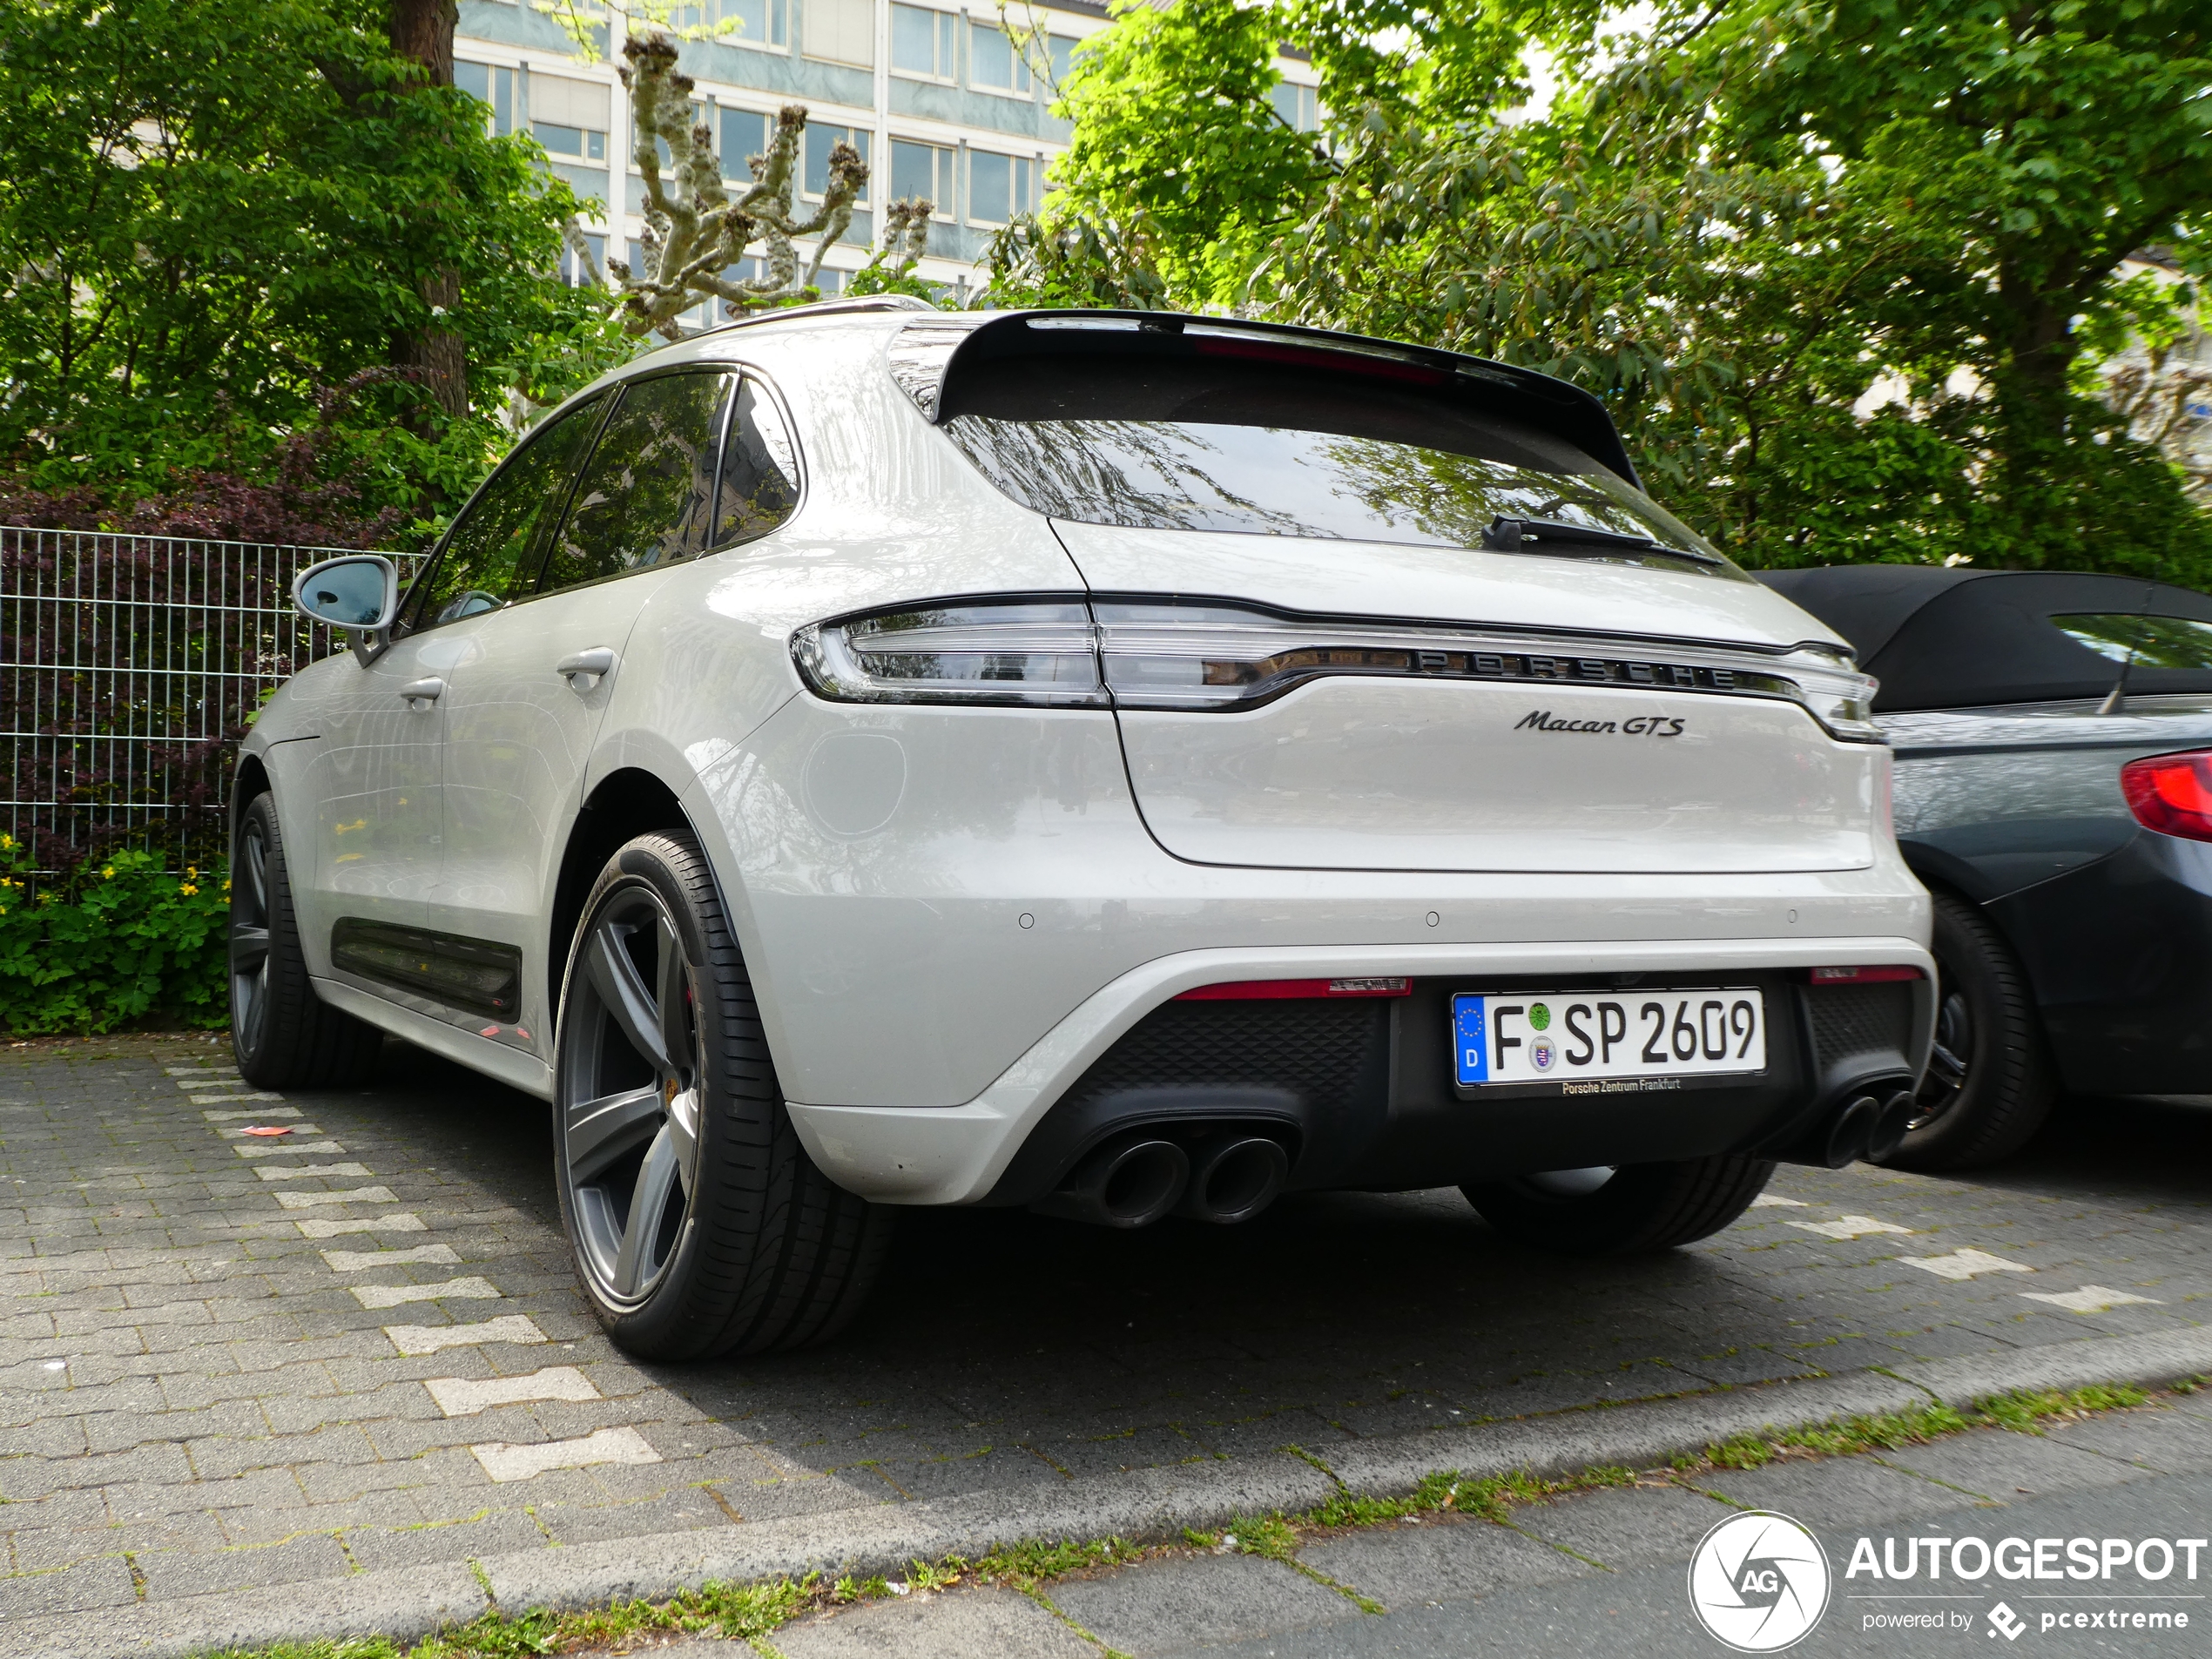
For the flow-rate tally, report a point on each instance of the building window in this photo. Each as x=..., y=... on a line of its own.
x=493, y=86
x=923, y=172
x=994, y=62
x=1000, y=188
x=761, y=23
x=577, y=143
x=747, y=270
x=922, y=42
x=820, y=142
x=840, y=32
x=1062, y=50
x=758, y=22
x=660, y=144
x=1299, y=107
x=569, y=117
x=745, y=134
x=572, y=268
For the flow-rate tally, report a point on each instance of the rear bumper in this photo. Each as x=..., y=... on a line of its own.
x=1383, y=1114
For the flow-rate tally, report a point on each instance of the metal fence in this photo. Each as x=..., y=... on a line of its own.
x=129, y=667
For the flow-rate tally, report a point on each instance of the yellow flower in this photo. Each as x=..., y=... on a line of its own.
x=187, y=889
x=108, y=874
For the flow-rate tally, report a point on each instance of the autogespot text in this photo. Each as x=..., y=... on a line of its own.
x=2101, y=1561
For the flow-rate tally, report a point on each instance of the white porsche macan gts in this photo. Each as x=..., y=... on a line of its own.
x=1123, y=765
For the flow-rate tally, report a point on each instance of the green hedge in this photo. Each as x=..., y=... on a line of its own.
x=109, y=944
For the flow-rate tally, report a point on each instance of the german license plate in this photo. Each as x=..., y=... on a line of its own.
x=1606, y=1037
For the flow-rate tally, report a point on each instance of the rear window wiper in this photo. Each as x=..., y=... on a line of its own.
x=1549, y=535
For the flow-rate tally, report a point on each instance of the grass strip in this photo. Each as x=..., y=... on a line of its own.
x=755, y=1612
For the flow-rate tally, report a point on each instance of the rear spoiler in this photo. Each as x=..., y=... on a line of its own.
x=930, y=354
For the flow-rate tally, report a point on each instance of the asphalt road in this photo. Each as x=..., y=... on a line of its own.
x=212, y=1381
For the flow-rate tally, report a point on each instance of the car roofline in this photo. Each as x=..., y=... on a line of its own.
x=925, y=367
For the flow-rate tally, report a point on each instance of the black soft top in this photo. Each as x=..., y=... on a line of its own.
x=1941, y=639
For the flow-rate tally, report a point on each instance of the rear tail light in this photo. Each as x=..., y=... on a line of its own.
x=1163, y=654
x=1270, y=990
x=1863, y=975
x=1042, y=653
x=2171, y=793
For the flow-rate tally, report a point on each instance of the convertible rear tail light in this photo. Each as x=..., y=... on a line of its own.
x=1174, y=655
x=1863, y=975
x=2171, y=793
x=1271, y=990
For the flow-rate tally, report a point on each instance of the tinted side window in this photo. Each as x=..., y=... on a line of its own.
x=759, y=470
x=490, y=557
x=647, y=492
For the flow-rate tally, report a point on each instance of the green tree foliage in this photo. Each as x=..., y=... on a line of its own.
x=1178, y=141
x=2036, y=145
x=213, y=216
x=1842, y=270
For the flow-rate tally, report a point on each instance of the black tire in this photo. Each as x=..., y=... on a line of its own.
x=1642, y=1207
x=1990, y=1082
x=699, y=1224
x=284, y=1037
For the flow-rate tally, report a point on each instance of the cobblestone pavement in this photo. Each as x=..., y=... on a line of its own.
x=235, y=1361
x=1606, y=1572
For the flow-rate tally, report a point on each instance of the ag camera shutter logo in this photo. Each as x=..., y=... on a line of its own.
x=1758, y=1581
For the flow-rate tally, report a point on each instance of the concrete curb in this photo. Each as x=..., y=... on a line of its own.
x=1152, y=1503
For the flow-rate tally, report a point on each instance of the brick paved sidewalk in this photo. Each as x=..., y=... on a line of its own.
x=1605, y=1572
x=232, y=1361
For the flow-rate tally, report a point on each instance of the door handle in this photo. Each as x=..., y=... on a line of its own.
x=421, y=693
x=588, y=666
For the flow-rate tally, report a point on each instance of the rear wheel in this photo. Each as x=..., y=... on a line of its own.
x=284, y=1037
x=1990, y=1084
x=700, y=1224
x=1638, y=1207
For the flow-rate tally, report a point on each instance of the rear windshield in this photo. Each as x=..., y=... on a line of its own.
x=2141, y=641
x=1266, y=450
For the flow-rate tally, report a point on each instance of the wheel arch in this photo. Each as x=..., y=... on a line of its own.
x=1953, y=878
x=251, y=782
x=1937, y=869
x=627, y=802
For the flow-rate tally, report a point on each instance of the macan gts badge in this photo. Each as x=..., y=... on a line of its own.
x=1120, y=765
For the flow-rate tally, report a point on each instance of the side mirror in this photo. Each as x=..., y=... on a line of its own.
x=360, y=592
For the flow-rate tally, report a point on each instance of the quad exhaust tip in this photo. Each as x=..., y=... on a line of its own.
x=1228, y=1176
x=1234, y=1179
x=1869, y=1128
x=1127, y=1183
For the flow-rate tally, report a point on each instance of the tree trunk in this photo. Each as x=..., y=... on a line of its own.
x=2031, y=412
x=423, y=30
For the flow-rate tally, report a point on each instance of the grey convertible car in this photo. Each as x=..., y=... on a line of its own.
x=2052, y=735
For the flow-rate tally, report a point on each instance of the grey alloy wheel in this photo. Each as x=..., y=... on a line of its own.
x=629, y=1107
x=700, y=1224
x=284, y=1034
x=249, y=939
